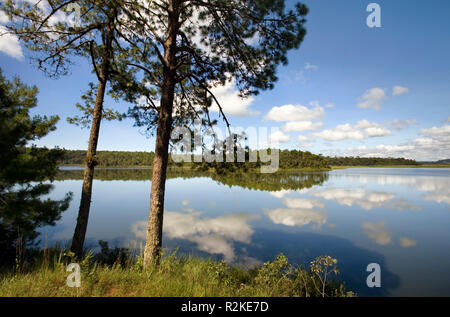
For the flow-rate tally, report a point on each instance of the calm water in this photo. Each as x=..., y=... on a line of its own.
x=398, y=218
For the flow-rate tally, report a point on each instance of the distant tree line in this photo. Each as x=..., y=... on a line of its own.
x=293, y=159
x=110, y=158
x=368, y=161
x=439, y=162
x=289, y=159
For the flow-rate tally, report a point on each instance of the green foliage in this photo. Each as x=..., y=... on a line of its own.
x=368, y=161
x=24, y=170
x=271, y=273
x=289, y=159
x=87, y=110
x=108, y=256
x=241, y=43
x=295, y=159
x=253, y=180
x=174, y=276
x=110, y=158
x=322, y=267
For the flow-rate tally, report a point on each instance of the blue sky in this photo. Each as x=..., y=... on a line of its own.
x=336, y=96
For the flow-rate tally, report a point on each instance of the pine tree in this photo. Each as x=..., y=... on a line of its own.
x=24, y=169
x=187, y=47
x=54, y=41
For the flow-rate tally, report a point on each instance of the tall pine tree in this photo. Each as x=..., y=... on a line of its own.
x=57, y=32
x=188, y=47
x=24, y=169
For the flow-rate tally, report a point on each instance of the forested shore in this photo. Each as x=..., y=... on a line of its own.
x=289, y=159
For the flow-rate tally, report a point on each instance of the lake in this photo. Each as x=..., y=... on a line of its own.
x=396, y=217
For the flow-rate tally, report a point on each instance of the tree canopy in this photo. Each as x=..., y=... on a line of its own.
x=24, y=171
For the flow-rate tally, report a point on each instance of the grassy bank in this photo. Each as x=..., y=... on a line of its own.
x=175, y=276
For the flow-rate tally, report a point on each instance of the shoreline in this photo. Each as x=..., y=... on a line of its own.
x=308, y=169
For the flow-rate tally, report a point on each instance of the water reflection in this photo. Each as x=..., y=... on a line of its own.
x=407, y=242
x=377, y=232
x=296, y=217
x=364, y=199
x=299, y=213
x=212, y=235
x=250, y=218
x=434, y=182
x=301, y=247
x=280, y=182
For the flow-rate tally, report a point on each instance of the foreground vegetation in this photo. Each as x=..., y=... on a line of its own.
x=113, y=273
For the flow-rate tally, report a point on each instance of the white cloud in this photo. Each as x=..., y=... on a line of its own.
x=329, y=105
x=365, y=200
x=341, y=132
x=212, y=235
x=3, y=17
x=311, y=66
x=296, y=217
x=288, y=113
x=381, y=150
x=361, y=130
x=401, y=204
x=297, y=117
x=303, y=141
x=342, y=196
x=297, y=126
x=281, y=193
x=377, y=232
x=433, y=145
x=230, y=100
x=278, y=137
x=253, y=41
x=302, y=203
x=9, y=44
x=434, y=131
x=401, y=124
x=434, y=188
x=372, y=98
x=399, y=90
x=377, y=132
x=364, y=124
x=448, y=119
x=407, y=242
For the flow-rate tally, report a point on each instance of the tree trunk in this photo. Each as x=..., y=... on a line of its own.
x=153, y=244
x=103, y=77
x=90, y=162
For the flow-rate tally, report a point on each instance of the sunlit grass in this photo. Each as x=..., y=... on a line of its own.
x=174, y=277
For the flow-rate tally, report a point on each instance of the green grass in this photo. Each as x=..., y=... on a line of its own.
x=174, y=277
